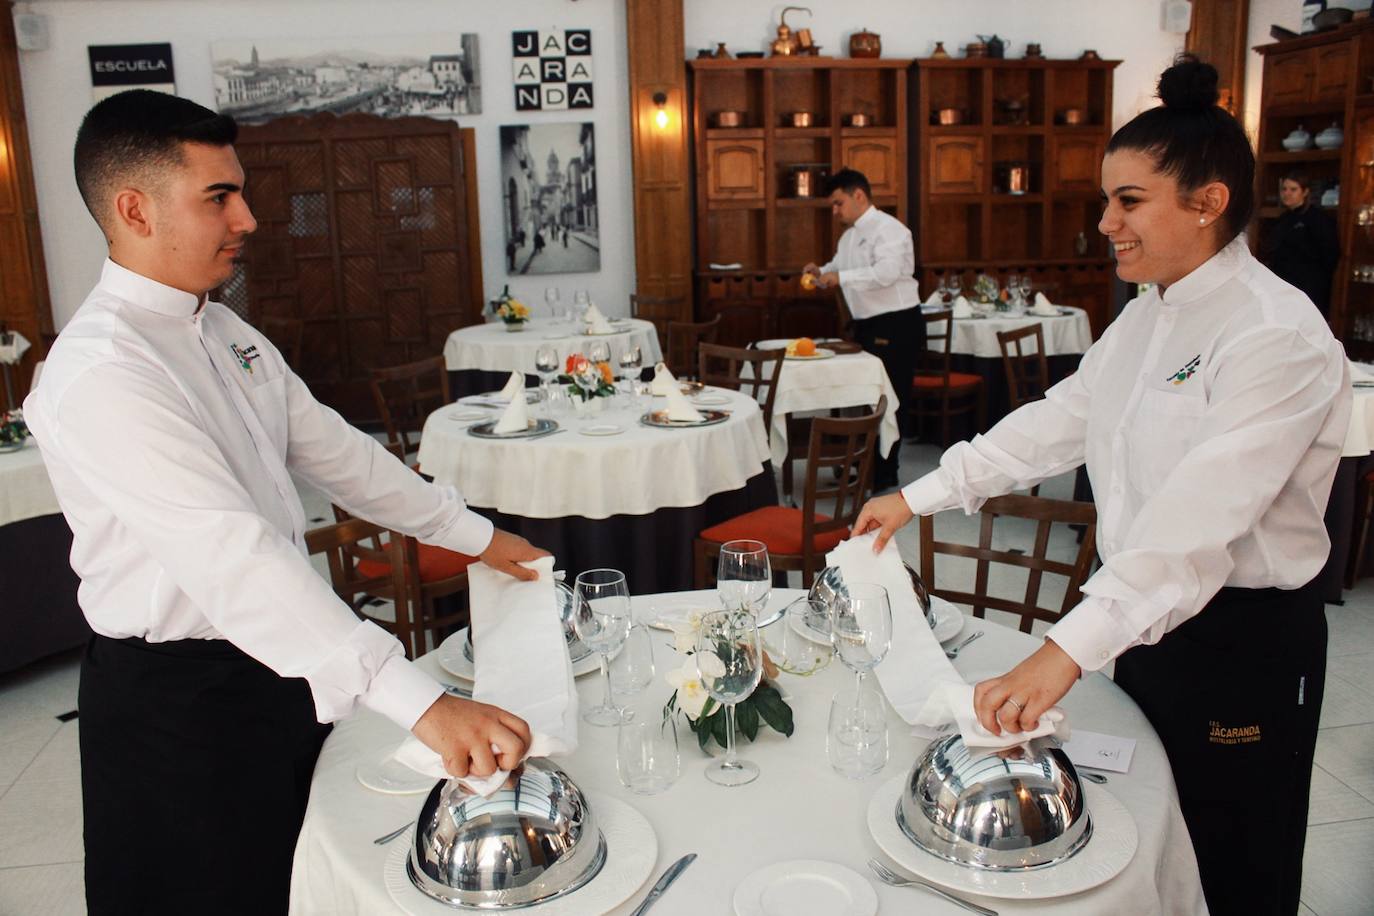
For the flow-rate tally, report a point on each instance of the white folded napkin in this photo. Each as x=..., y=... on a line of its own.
x=514, y=388
x=680, y=409
x=664, y=382
x=12, y=346
x=935, y=299
x=515, y=418
x=516, y=631
x=1043, y=306
x=919, y=681
x=597, y=322
x=962, y=308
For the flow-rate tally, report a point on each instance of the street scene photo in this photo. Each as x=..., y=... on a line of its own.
x=548, y=182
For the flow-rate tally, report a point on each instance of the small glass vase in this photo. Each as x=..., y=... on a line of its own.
x=513, y=326
x=589, y=407
x=12, y=446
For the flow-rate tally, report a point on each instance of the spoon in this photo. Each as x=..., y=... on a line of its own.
x=954, y=653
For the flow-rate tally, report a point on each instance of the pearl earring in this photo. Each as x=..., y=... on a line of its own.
x=1202, y=220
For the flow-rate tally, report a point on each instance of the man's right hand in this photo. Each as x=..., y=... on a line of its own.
x=811, y=269
x=463, y=733
x=506, y=551
x=886, y=513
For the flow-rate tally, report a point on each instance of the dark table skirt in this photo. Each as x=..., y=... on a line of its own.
x=654, y=551
x=464, y=382
x=38, y=612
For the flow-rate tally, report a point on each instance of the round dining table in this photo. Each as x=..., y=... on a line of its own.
x=798, y=808
x=606, y=489
x=481, y=357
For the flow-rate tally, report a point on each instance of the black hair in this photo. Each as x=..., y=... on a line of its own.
x=849, y=181
x=1193, y=140
x=136, y=133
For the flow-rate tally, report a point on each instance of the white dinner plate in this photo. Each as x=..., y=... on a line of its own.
x=631, y=851
x=602, y=429
x=805, y=887
x=665, y=612
x=466, y=414
x=391, y=777
x=452, y=659
x=821, y=353
x=710, y=399
x=1108, y=851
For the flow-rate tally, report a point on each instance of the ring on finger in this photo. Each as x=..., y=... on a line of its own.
x=1019, y=707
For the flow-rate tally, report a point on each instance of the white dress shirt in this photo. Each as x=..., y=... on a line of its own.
x=876, y=259
x=1211, y=421
x=170, y=433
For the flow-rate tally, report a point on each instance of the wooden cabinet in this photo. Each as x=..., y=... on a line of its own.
x=956, y=165
x=1075, y=164
x=1288, y=78
x=750, y=210
x=1331, y=66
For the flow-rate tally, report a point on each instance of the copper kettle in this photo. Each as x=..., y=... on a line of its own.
x=787, y=44
x=864, y=43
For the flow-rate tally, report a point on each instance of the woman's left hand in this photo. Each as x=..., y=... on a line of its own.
x=1035, y=685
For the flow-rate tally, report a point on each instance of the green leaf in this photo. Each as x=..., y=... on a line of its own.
x=703, y=729
x=773, y=709
x=747, y=718
x=718, y=729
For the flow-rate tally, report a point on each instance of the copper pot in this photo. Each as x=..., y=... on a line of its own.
x=864, y=43
x=948, y=116
x=1073, y=116
x=859, y=119
x=729, y=118
x=801, y=119
x=976, y=49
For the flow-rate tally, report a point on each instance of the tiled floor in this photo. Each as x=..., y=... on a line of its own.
x=40, y=787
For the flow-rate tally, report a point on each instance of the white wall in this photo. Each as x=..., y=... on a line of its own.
x=1263, y=14
x=57, y=93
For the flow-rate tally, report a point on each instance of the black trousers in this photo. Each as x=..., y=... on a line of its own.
x=896, y=338
x=1235, y=694
x=195, y=771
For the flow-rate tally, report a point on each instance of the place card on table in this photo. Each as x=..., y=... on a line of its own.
x=1100, y=752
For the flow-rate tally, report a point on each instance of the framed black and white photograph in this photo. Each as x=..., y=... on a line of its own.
x=430, y=75
x=552, y=69
x=548, y=200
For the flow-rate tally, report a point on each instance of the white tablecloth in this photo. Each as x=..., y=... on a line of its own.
x=635, y=472
x=491, y=348
x=849, y=380
x=25, y=491
x=798, y=809
x=1359, y=436
x=1064, y=334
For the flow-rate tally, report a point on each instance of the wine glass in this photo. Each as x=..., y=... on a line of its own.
x=546, y=362
x=581, y=299
x=1014, y=289
x=744, y=577
x=599, y=352
x=1026, y=289
x=861, y=628
x=730, y=663
x=551, y=300
x=601, y=619
x=632, y=670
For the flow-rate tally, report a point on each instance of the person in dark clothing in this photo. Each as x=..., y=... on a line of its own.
x=1302, y=247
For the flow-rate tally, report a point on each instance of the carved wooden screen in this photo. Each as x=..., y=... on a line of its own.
x=368, y=235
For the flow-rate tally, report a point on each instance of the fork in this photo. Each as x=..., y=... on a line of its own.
x=888, y=876
x=954, y=653
x=387, y=838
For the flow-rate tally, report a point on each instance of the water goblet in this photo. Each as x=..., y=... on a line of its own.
x=729, y=660
x=546, y=363
x=599, y=352
x=647, y=757
x=856, y=740
x=744, y=576
x=861, y=628
x=601, y=619
x=1025, y=288
x=551, y=300
x=581, y=300
x=1014, y=289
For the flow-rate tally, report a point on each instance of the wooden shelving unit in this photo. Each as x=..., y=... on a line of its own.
x=1314, y=82
x=965, y=221
x=746, y=211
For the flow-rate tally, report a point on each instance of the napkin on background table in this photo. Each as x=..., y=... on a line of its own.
x=515, y=418
x=598, y=322
x=664, y=382
x=680, y=409
x=516, y=630
x=1042, y=306
x=935, y=298
x=920, y=682
x=514, y=389
x=12, y=346
x=962, y=308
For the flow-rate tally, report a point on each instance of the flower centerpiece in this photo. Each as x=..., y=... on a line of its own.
x=586, y=382
x=510, y=310
x=986, y=291
x=705, y=717
x=13, y=430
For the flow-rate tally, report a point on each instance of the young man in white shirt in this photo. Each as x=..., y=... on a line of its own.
x=875, y=264
x=170, y=429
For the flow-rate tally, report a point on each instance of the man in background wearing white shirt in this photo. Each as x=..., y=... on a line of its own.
x=874, y=265
x=171, y=429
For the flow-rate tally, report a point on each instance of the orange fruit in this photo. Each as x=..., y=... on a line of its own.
x=808, y=281
x=806, y=346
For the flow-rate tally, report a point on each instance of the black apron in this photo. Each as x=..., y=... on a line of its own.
x=897, y=339
x=1235, y=694
x=195, y=771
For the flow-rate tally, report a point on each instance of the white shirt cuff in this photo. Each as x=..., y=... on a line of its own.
x=471, y=534
x=928, y=494
x=401, y=692
x=1089, y=635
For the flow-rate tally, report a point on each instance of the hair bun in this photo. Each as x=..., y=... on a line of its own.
x=1189, y=85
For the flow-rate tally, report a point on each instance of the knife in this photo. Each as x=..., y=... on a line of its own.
x=668, y=878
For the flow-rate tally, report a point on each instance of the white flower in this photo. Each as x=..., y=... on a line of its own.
x=691, y=694
x=686, y=631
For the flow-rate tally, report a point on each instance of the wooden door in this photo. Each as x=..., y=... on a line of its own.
x=876, y=157
x=956, y=165
x=1288, y=78
x=1074, y=163
x=734, y=169
x=1332, y=72
x=367, y=233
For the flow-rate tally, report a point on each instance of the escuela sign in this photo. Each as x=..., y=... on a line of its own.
x=115, y=68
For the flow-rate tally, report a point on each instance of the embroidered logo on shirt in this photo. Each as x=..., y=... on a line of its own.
x=1227, y=734
x=1182, y=375
x=245, y=356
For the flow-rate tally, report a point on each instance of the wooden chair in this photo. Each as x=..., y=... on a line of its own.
x=721, y=366
x=1365, y=511
x=953, y=393
x=798, y=539
x=1028, y=373
x=661, y=310
x=406, y=395
x=683, y=338
x=1046, y=513
x=287, y=334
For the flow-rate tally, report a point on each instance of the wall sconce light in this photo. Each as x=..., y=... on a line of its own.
x=661, y=116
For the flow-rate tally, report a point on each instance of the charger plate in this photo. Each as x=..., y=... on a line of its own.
x=1110, y=849
x=535, y=429
x=631, y=851
x=659, y=419
x=453, y=660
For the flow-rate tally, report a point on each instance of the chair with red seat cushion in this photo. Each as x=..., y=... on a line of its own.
x=798, y=539
x=938, y=392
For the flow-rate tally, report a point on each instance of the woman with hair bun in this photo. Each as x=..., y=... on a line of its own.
x=1210, y=416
